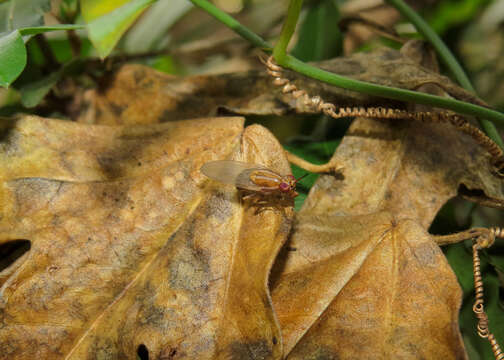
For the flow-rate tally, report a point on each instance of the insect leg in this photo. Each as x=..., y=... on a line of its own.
x=266, y=190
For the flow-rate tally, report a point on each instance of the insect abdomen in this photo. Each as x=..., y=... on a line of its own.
x=265, y=179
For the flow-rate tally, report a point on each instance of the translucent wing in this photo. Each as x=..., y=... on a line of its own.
x=235, y=173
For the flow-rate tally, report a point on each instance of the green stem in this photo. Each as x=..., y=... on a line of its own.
x=447, y=57
x=390, y=92
x=445, y=54
x=351, y=84
x=10, y=17
x=289, y=26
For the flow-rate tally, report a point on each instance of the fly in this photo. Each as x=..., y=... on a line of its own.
x=251, y=177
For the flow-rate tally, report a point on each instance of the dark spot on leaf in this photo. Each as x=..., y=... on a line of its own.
x=152, y=315
x=116, y=109
x=139, y=75
x=143, y=352
x=317, y=352
x=12, y=250
x=32, y=193
x=190, y=271
x=9, y=138
x=103, y=348
x=112, y=194
x=219, y=207
x=225, y=111
x=426, y=254
x=389, y=55
x=285, y=225
x=170, y=354
x=275, y=341
x=252, y=350
x=167, y=115
x=350, y=67
x=126, y=152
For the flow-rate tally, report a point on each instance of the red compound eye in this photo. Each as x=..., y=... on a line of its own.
x=284, y=187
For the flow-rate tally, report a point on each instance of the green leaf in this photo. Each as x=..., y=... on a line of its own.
x=93, y=9
x=319, y=36
x=13, y=50
x=451, y=13
x=12, y=57
x=34, y=30
x=33, y=93
x=106, y=30
x=164, y=63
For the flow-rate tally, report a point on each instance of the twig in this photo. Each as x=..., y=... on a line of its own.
x=51, y=62
x=75, y=43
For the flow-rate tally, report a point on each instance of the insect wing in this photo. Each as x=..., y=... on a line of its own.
x=232, y=172
x=258, y=179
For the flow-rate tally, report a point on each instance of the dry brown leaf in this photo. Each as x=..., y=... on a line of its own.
x=366, y=279
x=139, y=95
x=132, y=245
x=387, y=290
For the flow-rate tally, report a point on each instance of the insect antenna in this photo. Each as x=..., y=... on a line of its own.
x=299, y=178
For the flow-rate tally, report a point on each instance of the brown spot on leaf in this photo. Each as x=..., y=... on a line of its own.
x=252, y=350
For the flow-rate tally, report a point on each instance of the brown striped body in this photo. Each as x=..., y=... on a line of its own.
x=251, y=177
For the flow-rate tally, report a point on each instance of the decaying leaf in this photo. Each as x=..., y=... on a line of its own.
x=387, y=286
x=366, y=279
x=137, y=94
x=131, y=246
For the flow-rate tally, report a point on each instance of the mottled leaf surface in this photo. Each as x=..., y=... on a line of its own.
x=366, y=280
x=131, y=245
x=125, y=95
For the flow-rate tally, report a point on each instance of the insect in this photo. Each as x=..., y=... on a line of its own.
x=251, y=177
